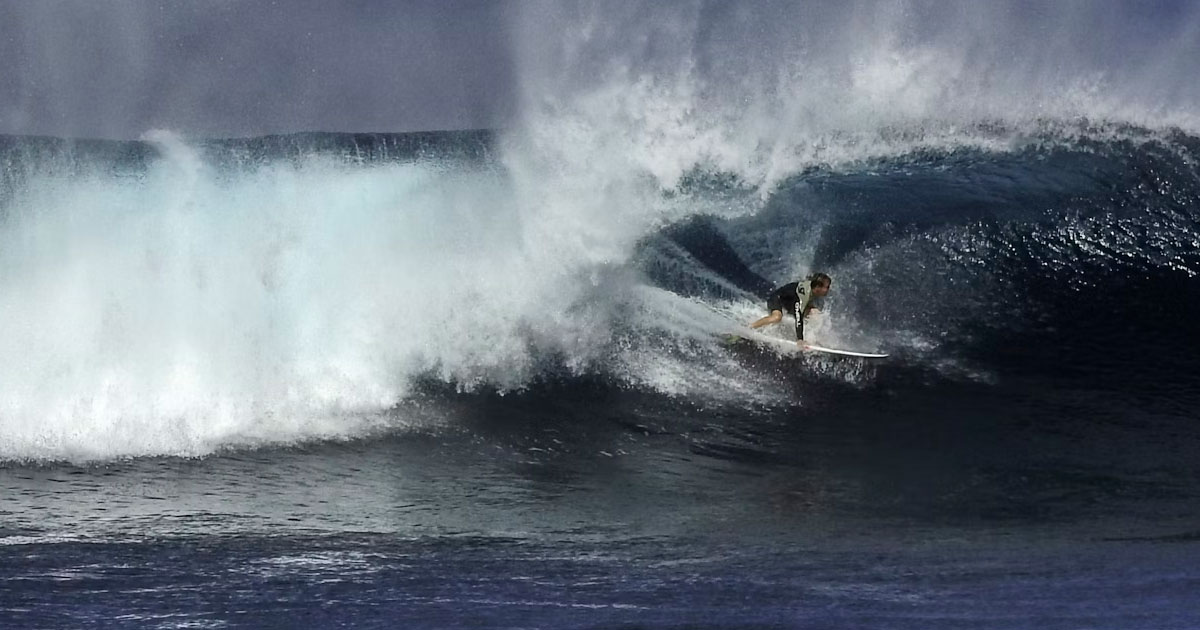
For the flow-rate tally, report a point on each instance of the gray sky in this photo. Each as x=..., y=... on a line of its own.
x=108, y=68
x=218, y=68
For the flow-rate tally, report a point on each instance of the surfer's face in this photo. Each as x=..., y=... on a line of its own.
x=820, y=291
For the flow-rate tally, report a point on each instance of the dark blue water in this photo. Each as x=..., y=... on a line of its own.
x=1027, y=458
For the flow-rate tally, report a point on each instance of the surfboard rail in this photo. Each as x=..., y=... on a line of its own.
x=791, y=345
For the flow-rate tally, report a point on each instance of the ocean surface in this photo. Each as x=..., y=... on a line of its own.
x=480, y=379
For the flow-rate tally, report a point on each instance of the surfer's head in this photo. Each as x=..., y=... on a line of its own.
x=819, y=284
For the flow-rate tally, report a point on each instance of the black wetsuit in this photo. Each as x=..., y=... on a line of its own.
x=792, y=298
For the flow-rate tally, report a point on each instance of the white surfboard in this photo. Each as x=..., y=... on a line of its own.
x=847, y=353
x=791, y=345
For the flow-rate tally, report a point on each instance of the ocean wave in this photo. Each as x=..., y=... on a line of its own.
x=180, y=303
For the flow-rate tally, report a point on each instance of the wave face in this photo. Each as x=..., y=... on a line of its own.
x=983, y=215
x=1067, y=256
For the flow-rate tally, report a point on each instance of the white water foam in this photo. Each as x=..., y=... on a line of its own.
x=188, y=308
x=183, y=310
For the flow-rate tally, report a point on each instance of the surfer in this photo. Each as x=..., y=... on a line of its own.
x=797, y=299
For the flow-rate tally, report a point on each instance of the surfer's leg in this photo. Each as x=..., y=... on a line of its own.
x=774, y=307
x=773, y=318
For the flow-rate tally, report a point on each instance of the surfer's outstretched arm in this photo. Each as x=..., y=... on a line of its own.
x=800, y=331
x=800, y=326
